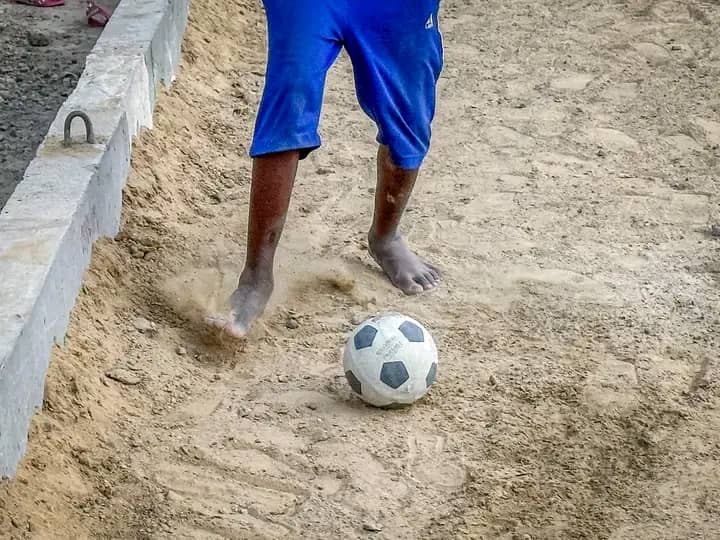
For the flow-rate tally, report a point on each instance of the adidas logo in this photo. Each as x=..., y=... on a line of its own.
x=429, y=23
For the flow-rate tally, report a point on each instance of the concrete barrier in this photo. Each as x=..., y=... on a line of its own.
x=71, y=195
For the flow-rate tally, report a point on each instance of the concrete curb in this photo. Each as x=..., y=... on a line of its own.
x=72, y=195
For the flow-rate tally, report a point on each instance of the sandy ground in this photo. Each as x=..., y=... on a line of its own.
x=570, y=199
x=42, y=54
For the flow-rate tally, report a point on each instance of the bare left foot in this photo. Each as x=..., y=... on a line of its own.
x=247, y=303
x=406, y=271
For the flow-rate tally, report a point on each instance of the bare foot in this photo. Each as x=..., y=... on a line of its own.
x=406, y=271
x=247, y=303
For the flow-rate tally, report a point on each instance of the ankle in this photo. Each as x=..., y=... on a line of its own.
x=258, y=276
x=376, y=240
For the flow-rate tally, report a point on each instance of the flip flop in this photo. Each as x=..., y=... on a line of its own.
x=41, y=3
x=97, y=16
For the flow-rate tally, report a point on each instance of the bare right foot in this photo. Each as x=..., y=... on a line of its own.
x=406, y=271
x=247, y=304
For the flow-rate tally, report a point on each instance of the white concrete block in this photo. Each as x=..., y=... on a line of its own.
x=69, y=197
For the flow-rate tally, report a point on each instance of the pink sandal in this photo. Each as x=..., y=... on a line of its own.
x=41, y=3
x=97, y=16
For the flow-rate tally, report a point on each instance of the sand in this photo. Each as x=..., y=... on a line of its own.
x=569, y=198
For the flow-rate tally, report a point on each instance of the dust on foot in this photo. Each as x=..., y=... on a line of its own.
x=404, y=269
x=247, y=304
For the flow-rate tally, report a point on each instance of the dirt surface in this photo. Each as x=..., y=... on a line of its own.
x=42, y=54
x=570, y=198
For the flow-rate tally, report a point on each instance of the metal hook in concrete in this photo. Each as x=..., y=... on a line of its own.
x=89, y=133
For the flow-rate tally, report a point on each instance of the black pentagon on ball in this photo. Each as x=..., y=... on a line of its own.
x=432, y=375
x=354, y=382
x=365, y=337
x=394, y=374
x=412, y=332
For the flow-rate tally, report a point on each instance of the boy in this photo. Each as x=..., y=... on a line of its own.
x=396, y=51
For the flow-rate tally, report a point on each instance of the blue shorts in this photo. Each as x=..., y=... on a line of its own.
x=396, y=51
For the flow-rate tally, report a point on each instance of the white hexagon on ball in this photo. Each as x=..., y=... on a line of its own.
x=390, y=360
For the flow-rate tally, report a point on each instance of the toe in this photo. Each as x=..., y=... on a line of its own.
x=236, y=331
x=432, y=279
x=226, y=325
x=424, y=282
x=216, y=321
x=238, y=326
x=409, y=286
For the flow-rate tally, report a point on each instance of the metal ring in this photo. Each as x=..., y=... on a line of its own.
x=70, y=75
x=89, y=132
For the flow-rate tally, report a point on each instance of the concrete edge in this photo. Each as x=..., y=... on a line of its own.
x=71, y=196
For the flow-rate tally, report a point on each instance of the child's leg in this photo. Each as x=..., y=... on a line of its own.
x=272, y=182
x=396, y=50
x=304, y=41
x=406, y=271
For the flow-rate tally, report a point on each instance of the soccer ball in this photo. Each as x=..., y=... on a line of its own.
x=390, y=360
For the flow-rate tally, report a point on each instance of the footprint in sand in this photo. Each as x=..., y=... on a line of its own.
x=564, y=283
x=501, y=136
x=652, y=53
x=431, y=464
x=681, y=144
x=369, y=484
x=612, y=385
x=572, y=82
x=236, y=501
x=711, y=129
x=621, y=92
x=614, y=139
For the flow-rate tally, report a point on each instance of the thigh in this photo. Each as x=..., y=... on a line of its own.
x=302, y=35
x=303, y=42
x=397, y=55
